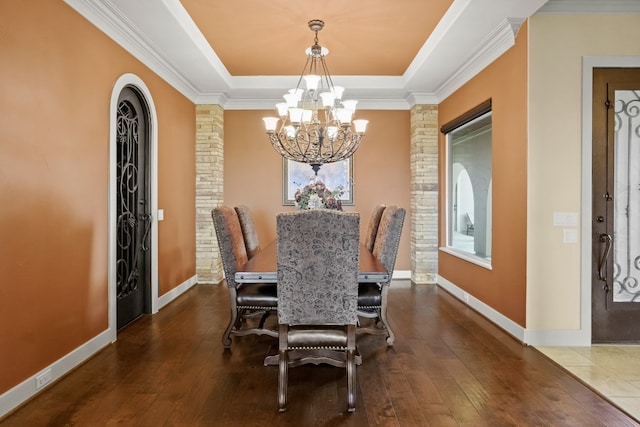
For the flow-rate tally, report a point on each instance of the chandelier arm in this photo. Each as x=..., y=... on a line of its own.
x=300, y=150
x=303, y=149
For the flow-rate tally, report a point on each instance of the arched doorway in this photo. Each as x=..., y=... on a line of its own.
x=133, y=231
x=133, y=263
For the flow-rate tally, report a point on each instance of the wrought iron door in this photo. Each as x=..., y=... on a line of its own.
x=134, y=220
x=616, y=205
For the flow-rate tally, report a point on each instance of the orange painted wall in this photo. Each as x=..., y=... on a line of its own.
x=57, y=72
x=505, y=82
x=253, y=170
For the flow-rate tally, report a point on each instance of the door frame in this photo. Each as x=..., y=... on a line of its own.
x=588, y=64
x=135, y=82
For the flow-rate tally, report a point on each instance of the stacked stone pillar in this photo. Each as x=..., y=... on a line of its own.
x=209, y=189
x=424, y=194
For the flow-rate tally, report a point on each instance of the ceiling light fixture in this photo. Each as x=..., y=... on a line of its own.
x=315, y=124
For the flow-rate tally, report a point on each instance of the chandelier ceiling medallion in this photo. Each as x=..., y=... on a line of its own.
x=315, y=125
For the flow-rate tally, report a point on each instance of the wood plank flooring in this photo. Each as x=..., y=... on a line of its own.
x=449, y=367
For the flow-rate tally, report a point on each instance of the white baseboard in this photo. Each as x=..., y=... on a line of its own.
x=499, y=319
x=401, y=274
x=177, y=291
x=568, y=338
x=539, y=338
x=24, y=391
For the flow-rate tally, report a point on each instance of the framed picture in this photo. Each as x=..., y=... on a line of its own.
x=296, y=175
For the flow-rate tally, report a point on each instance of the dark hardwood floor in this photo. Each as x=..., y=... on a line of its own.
x=449, y=367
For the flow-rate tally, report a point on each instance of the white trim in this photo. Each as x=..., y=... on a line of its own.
x=589, y=7
x=401, y=275
x=501, y=39
x=557, y=338
x=135, y=81
x=19, y=394
x=177, y=291
x=526, y=336
x=588, y=64
x=499, y=319
x=482, y=262
x=107, y=17
x=470, y=36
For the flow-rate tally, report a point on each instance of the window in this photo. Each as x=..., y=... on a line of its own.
x=469, y=179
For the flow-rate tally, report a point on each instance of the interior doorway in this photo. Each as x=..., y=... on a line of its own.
x=133, y=239
x=615, y=271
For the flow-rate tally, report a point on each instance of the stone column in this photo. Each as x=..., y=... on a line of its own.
x=209, y=189
x=424, y=194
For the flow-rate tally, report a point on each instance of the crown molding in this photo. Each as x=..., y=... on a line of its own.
x=421, y=98
x=107, y=17
x=263, y=92
x=501, y=39
x=370, y=103
x=439, y=34
x=171, y=45
x=590, y=6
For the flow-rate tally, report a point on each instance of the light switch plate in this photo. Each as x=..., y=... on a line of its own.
x=570, y=235
x=565, y=219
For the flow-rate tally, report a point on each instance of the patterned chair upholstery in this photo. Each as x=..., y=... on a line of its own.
x=372, y=297
x=251, y=241
x=372, y=227
x=246, y=299
x=318, y=256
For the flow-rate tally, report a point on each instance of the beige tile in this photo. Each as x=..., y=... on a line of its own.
x=633, y=350
x=631, y=405
x=611, y=370
x=565, y=356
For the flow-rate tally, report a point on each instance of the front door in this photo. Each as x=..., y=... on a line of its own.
x=133, y=282
x=616, y=205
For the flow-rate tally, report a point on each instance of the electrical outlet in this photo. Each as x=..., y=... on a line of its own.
x=43, y=378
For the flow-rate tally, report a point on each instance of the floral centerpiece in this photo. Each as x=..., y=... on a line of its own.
x=315, y=195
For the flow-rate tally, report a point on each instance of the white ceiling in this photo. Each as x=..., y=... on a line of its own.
x=468, y=37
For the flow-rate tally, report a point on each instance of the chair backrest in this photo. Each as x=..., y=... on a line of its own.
x=318, y=256
x=372, y=228
x=230, y=241
x=385, y=248
x=251, y=241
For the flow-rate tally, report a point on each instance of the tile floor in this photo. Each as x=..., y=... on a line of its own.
x=611, y=370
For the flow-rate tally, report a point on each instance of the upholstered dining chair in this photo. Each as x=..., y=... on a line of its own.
x=372, y=227
x=318, y=255
x=246, y=299
x=249, y=233
x=372, y=297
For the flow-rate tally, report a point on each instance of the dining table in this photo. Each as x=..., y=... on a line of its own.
x=263, y=267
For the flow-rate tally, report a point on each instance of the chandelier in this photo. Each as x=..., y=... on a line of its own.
x=315, y=125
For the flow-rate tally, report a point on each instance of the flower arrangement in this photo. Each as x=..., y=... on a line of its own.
x=315, y=195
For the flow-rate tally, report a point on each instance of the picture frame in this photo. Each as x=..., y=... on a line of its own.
x=296, y=175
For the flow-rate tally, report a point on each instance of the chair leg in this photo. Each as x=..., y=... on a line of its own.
x=226, y=337
x=383, y=315
x=351, y=381
x=283, y=366
x=351, y=368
